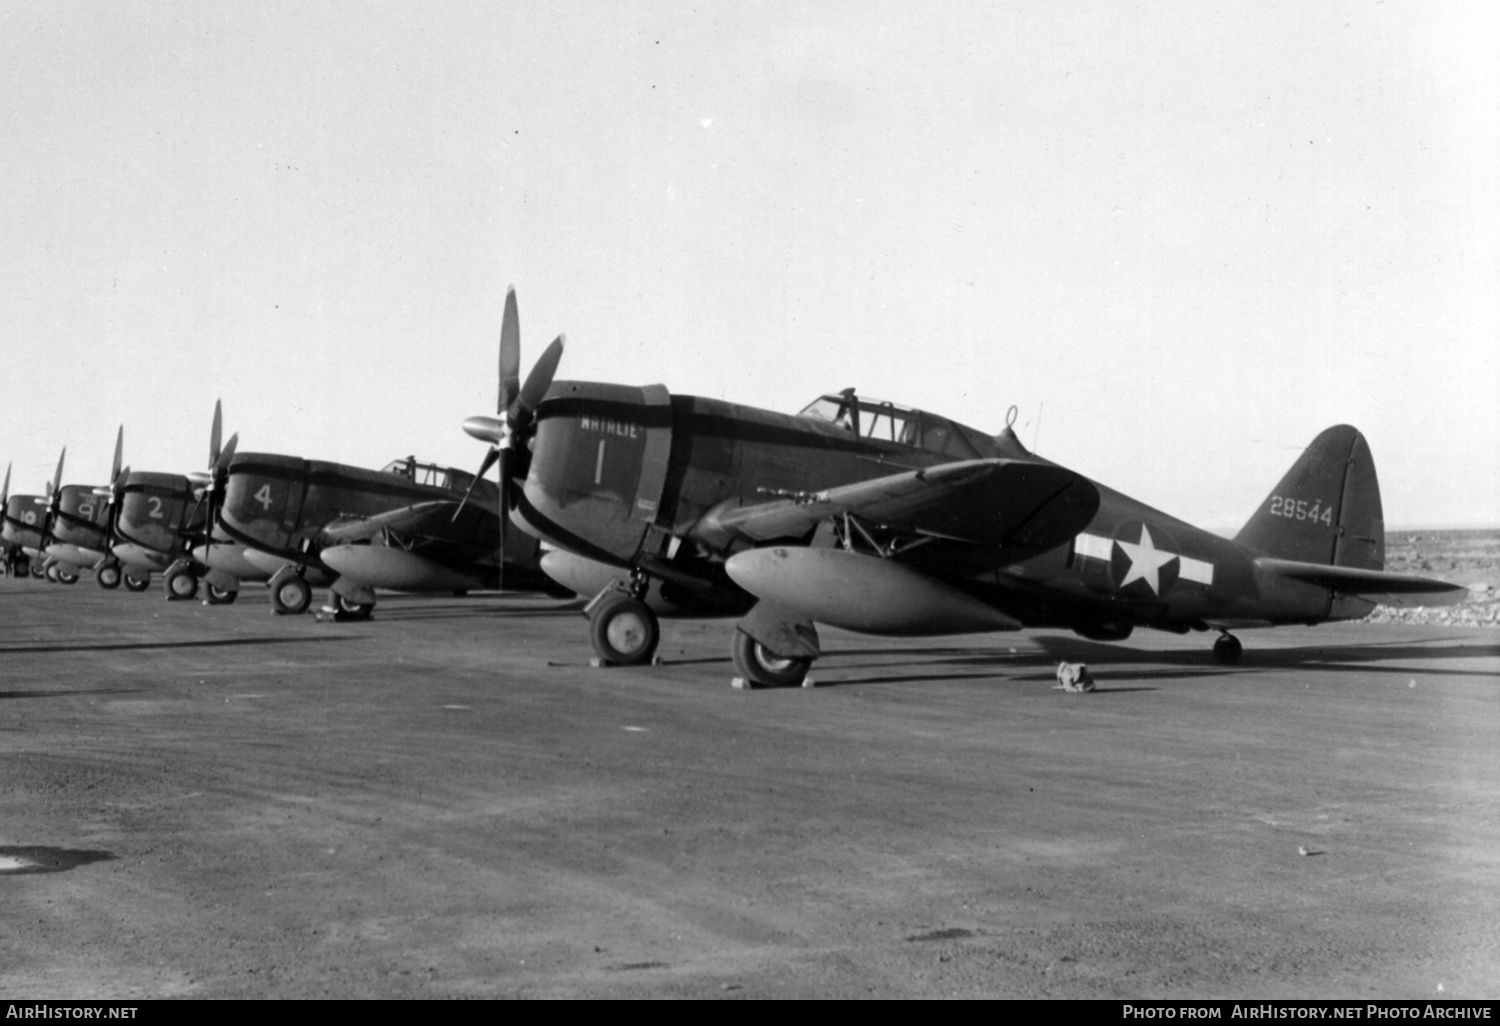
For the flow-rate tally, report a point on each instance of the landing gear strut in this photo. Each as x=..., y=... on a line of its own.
x=1227, y=649
x=624, y=630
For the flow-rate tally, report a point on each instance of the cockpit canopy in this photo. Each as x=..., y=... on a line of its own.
x=429, y=474
x=886, y=422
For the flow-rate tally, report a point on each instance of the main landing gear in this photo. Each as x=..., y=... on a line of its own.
x=759, y=667
x=290, y=594
x=109, y=576
x=624, y=630
x=134, y=583
x=182, y=583
x=345, y=609
x=1227, y=649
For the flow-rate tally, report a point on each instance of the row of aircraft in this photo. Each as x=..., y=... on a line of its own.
x=853, y=513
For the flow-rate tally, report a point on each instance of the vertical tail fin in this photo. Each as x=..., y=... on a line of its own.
x=1326, y=509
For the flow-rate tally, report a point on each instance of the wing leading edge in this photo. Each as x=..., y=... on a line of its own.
x=988, y=502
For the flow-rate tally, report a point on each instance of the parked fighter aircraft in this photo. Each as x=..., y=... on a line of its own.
x=161, y=525
x=30, y=521
x=77, y=533
x=410, y=526
x=889, y=520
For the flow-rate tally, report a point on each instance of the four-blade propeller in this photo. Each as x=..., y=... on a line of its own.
x=515, y=410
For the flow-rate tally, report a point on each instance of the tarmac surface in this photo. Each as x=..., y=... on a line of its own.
x=448, y=801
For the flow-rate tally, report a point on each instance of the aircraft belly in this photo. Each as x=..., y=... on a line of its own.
x=862, y=593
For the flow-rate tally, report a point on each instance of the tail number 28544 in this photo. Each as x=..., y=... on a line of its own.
x=1300, y=509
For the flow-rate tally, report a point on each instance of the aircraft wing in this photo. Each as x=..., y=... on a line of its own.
x=989, y=502
x=1378, y=586
x=421, y=518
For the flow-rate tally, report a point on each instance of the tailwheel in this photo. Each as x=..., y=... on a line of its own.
x=134, y=583
x=346, y=610
x=1227, y=649
x=624, y=631
x=291, y=596
x=109, y=577
x=221, y=596
x=762, y=668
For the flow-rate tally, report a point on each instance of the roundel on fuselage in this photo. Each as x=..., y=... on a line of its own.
x=1143, y=560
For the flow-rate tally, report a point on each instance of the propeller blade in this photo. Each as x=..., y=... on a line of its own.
x=57, y=477
x=215, y=432
x=114, y=469
x=510, y=353
x=537, y=383
x=220, y=466
x=489, y=461
x=5, y=492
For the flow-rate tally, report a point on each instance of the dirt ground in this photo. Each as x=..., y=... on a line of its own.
x=449, y=802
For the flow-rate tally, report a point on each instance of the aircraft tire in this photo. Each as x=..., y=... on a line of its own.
x=625, y=632
x=66, y=578
x=50, y=573
x=291, y=597
x=134, y=583
x=352, y=610
x=221, y=597
x=1227, y=650
x=181, y=585
x=37, y=571
x=762, y=668
x=109, y=577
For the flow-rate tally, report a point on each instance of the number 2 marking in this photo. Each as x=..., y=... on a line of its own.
x=155, y=513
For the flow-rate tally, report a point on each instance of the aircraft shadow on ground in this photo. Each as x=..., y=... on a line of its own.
x=137, y=645
x=1199, y=664
x=67, y=694
x=20, y=860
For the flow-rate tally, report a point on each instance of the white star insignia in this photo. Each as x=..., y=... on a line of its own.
x=1145, y=560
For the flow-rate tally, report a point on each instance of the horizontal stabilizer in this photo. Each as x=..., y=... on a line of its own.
x=993, y=502
x=1378, y=586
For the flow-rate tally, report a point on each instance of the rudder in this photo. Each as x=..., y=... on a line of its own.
x=1326, y=509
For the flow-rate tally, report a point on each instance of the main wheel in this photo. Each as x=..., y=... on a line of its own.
x=37, y=571
x=221, y=596
x=291, y=597
x=134, y=583
x=624, y=631
x=182, y=584
x=63, y=577
x=761, y=667
x=352, y=610
x=108, y=577
x=50, y=573
x=1227, y=649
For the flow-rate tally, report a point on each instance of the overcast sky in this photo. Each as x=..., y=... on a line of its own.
x=1181, y=237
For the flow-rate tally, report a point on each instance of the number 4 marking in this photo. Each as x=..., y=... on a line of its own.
x=264, y=496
